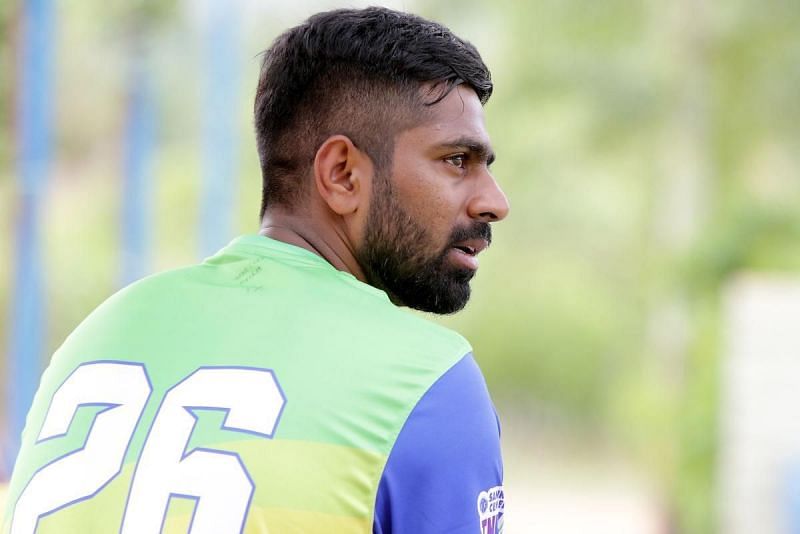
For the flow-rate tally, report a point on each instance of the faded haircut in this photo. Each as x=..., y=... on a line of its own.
x=368, y=74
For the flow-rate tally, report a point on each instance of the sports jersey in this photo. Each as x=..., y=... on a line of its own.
x=260, y=391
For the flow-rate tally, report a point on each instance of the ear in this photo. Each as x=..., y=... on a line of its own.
x=342, y=175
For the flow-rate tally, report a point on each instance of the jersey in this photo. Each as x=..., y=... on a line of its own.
x=260, y=391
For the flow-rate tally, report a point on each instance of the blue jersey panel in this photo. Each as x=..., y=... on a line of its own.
x=445, y=472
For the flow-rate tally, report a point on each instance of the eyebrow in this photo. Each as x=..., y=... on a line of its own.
x=480, y=149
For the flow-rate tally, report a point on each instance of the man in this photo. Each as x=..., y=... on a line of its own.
x=278, y=387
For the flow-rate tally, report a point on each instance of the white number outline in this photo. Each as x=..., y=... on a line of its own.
x=135, y=427
x=109, y=406
x=186, y=453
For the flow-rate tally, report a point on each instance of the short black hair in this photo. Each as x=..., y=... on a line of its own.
x=356, y=72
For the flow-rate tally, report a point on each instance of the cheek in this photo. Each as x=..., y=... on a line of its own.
x=433, y=206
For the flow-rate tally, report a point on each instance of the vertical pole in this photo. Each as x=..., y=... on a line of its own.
x=220, y=143
x=792, y=497
x=34, y=109
x=137, y=174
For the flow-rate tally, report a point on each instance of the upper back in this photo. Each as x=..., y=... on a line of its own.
x=262, y=382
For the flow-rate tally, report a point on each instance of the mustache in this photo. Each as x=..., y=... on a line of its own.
x=477, y=230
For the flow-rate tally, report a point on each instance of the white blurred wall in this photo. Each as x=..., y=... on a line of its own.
x=760, y=406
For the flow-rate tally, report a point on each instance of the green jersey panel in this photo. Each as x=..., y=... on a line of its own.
x=262, y=384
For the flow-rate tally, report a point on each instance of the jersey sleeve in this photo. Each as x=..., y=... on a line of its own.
x=445, y=471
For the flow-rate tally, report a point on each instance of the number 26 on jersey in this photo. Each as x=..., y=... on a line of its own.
x=216, y=479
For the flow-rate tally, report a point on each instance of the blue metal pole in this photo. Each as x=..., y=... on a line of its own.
x=137, y=174
x=27, y=335
x=792, y=497
x=220, y=142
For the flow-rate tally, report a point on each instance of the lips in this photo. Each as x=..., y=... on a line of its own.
x=472, y=247
x=464, y=253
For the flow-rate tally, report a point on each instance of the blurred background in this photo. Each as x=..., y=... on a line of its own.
x=636, y=318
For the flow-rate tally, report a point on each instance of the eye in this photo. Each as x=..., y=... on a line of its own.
x=457, y=160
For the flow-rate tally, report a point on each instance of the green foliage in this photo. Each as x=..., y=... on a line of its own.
x=587, y=102
x=753, y=237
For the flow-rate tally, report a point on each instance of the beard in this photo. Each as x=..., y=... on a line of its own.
x=401, y=257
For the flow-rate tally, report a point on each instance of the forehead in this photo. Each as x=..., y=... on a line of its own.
x=457, y=115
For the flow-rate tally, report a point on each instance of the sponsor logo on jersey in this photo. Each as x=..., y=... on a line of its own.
x=490, y=510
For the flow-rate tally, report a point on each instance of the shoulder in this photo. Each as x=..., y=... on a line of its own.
x=445, y=458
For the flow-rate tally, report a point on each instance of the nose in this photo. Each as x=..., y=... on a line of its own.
x=489, y=203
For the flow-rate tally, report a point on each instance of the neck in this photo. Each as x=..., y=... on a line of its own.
x=324, y=240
